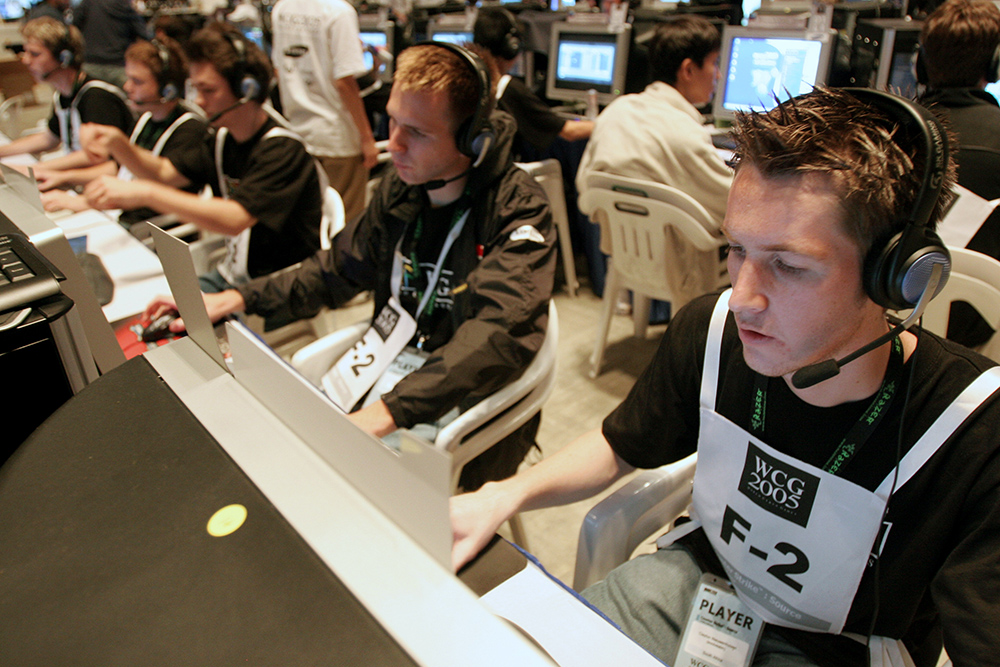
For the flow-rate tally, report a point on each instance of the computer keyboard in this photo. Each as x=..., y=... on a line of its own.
x=25, y=275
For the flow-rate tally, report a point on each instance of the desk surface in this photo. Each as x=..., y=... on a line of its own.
x=105, y=557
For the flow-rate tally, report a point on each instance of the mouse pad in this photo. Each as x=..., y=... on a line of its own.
x=129, y=335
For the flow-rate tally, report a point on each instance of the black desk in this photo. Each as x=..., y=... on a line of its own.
x=105, y=558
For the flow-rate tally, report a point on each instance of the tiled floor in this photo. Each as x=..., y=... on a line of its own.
x=577, y=405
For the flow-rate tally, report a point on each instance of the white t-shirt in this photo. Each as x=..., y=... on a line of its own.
x=315, y=43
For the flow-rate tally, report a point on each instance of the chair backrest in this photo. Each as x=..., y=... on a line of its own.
x=648, y=227
x=504, y=411
x=334, y=218
x=974, y=279
x=548, y=173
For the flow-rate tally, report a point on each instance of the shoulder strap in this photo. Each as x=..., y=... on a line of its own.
x=713, y=351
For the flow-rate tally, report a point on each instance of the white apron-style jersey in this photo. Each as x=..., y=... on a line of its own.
x=123, y=172
x=69, y=118
x=794, y=539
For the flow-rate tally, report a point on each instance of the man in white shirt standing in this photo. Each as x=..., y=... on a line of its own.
x=317, y=53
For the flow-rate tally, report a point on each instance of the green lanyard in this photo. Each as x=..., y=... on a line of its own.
x=862, y=430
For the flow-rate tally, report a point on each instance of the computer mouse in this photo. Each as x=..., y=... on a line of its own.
x=158, y=328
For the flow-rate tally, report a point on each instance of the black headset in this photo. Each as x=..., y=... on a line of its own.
x=898, y=271
x=240, y=80
x=168, y=90
x=992, y=73
x=475, y=135
x=64, y=52
x=509, y=44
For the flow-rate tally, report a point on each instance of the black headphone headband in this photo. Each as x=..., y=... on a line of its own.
x=897, y=273
x=474, y=136
x=168, y=90
x=240, y=80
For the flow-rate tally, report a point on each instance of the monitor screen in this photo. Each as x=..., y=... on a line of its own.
x=12, y=10
x=994, y=90
x=459, y=37
x=763, y=67
x=375, y=38
x=587, y=58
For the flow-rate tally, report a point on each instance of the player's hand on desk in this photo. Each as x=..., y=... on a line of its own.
x=218, y=306
x=106, y=192
x=375, y=419
x=475, y=518
x=60, y=200
x=97, y=141
x=49, y=179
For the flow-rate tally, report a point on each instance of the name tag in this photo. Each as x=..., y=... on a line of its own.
x=721, y=631
x=360, y=367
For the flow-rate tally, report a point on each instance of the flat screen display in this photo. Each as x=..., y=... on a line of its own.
x=457, y=37
x=764, y=70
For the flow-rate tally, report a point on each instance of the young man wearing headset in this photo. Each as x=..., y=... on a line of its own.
x=840, y=515
x=457, y=237
x=268, y=191
x=53, y=53
x=155, y=74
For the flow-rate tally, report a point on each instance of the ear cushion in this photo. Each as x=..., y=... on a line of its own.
x=898, y=272
x=65, y=58
x=170, y=92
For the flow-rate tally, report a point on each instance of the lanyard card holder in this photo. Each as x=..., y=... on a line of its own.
x=720, y=631
x=358, y=369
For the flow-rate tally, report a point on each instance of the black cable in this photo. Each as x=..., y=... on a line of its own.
x=895, y=477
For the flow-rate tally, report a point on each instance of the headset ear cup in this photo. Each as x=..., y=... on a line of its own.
x=170, y=92
x=897, y=274
x=250, y=88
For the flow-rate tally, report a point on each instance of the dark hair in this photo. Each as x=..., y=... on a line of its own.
x=678, y=39
x=959, y=44
x=493, y=25
x=174, y=27
x=870, y=158
x=147, y=53
x=216, y=44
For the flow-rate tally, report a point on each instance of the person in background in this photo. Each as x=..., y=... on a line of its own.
x=108, y=27
x=53, y=53
x=267, y=189
x=959, y=55
x=156, y=73
x=659, y=135
x=317, y=48
x=842, y=517
x=55, y=9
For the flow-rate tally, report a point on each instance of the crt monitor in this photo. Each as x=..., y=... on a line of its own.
x=452, y=35
x=762, y=67
x=379, y=36
x=585, y=57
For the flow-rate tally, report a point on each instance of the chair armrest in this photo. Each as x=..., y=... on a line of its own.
x=316, y=358
x=614, y=527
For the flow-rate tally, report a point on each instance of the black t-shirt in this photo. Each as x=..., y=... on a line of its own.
x=942, y=548
x=189, y=135
x=537, y=124
x=275, y=180
x=96, y=105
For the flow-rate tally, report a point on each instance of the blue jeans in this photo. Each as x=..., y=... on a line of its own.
x=649, y=598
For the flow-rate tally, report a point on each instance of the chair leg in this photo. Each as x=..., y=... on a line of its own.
x=566, y=250
x=517, y=532
x=640, y=314
x=611, y=289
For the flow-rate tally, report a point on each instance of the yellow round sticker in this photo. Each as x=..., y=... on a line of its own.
x=227, y=520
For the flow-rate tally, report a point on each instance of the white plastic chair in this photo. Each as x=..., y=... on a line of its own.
x=481, y=426
x=974, y=279
x=659, y=244
x=647, y=504
x=548, y=173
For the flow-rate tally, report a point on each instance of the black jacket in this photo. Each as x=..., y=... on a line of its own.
x=497, y=323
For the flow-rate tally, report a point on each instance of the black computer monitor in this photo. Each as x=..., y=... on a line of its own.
x=587, y=57
x=882, y=55
x=763, y=67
